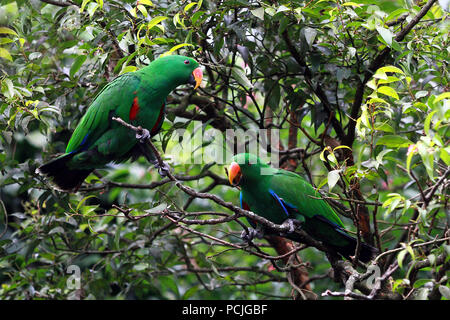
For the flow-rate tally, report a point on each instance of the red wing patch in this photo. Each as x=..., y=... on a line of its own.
x=134, y=109
x=157, y=125
x=245, y=206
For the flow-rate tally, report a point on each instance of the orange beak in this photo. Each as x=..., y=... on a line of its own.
x=198, y=76
x=234, y=174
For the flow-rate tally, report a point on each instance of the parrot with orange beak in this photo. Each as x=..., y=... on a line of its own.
x=284, y=197
x=138, y=98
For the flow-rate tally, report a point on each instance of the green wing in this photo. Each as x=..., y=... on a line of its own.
x=115, y=99
x=298, y=194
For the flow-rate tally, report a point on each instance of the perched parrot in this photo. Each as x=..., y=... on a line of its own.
x=137, y=98
x=282, y=196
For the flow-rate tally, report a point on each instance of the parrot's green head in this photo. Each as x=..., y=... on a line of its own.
x=245, y=168
x=178, y=70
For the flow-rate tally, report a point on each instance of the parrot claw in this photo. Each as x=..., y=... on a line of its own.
x=292, y=224
x=144, y=136
x=251, y=234
x=163, y=169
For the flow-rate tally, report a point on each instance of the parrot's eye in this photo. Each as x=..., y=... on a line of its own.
x=186, y=61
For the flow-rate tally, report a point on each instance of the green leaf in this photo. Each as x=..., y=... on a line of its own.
x=128, y=69
x=432, y=259
x=427, y=122
x=445, y=155
x=83, y=5
x=57, y=230
x=5, y=30
x=442, y=96
x=282, y=8
x=34, y=55
x=196, y=16
x=91, y=8
x=342, y=147
x=393, y=141
x=5, y=40
x=391, y=69
x=83, y=201
x=241, y=77
x=140, y=266
x=158, y=209
x=389, y=79
x=421, y=94
x=380, y=75
x=133, y=13
x=427, y=155
x=445, y=291
x=322, y=183
x=383, y=127
x=410, y=251
x=333, y=178
x=189, y=292
x=8, y=88
x=77, y=65
x=350, y=3
x=189, y=6
x=396, y=13
x=143, y=10
x=310, y=35
x=5, y=54
x=259, y=13
x=178, y=21
x=155, y=21
x=380, y=156
x=372, y=84
x=388, y=91
x=400, y=257
x=386, y=34
x=146, y=2
x=383, y=175
x=178, y=46
x=169, y=283
x=421, y=282
x=411, y=153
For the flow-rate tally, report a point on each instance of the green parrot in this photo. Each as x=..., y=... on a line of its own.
x=137, y=98
x=284, y=197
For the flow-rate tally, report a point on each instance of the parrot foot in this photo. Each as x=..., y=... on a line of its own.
x=292, y=224
x=251, y=234
x=163, y=169
x=142, y=137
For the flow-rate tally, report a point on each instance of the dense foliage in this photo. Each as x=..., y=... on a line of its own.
x=358, y=91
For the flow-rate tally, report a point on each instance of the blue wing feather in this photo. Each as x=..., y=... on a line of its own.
x=240, y=199
x=83, y=146
x=280, y=201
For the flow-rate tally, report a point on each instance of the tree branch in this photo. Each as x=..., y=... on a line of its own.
x=59, y=3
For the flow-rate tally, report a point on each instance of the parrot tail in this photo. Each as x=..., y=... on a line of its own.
x=341, y=241
x=366, y=252
x=64, y=178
